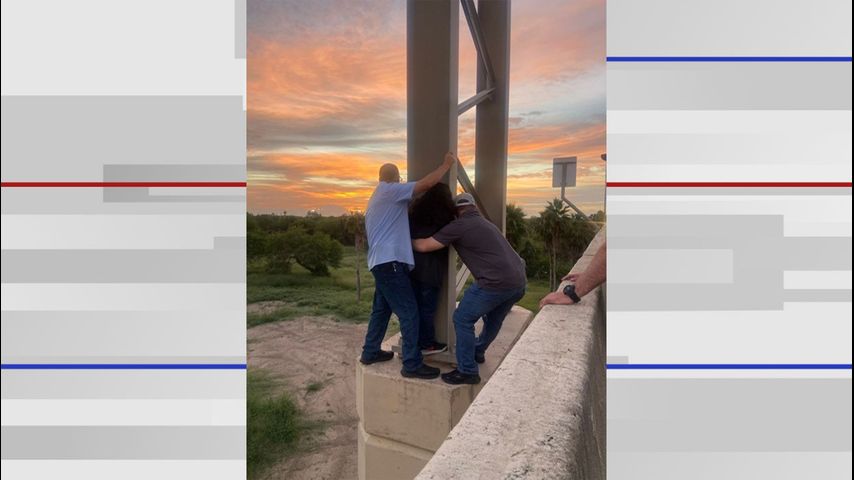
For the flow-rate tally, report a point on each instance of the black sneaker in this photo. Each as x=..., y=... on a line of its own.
x=433, y=348
x=382, y=356
x=455, y=377
x=424, y=371
x=479, y=357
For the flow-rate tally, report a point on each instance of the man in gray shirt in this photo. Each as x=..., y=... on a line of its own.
x=500, y=282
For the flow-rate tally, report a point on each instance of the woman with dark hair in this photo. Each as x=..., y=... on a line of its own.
x=427, y=215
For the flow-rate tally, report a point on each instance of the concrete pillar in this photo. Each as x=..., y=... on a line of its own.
x=491, y=116
x=403, y=421
x=432, y=39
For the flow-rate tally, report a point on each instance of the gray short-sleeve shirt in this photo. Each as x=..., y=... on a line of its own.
x=482, y=247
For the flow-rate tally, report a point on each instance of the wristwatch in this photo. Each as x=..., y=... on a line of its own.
x=569, y=291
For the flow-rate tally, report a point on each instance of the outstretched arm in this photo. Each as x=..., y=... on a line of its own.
x=584, y=282
x=435, y=176
x=426, y=245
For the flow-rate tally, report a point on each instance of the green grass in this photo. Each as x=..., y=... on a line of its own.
x=309, y=295
x=536, y=290
x=274, y=424
x=305, y=294
x=314, y=387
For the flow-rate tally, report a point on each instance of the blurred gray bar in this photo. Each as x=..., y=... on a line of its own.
x=811, y=253
x=817, y=296
x=143, y=195
x=729, y=465
x=239, y=28
x=123, y=266
x=662, y=265
x=724, y=415
x=728, y=191
x=699, y=226
x=133, y=384
x=103, y=359
x=124, y=443
x=230, y=243
x=771, y=149
x=729, y=86
x=174, y=173
x=122, y=333
x=127, y=129
x=74, y=201
x=728, y=27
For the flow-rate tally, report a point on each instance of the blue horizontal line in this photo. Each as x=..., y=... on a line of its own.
x=123, y=366
x=729, y=366
x=728, y=59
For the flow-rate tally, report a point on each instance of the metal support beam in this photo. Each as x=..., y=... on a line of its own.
x=432, y=40
x=468, y=187
x=476, y=99
x=493, y=17
x=473, y=21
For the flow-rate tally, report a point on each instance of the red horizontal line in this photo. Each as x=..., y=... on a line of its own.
x=730, y=184
x=121, y=184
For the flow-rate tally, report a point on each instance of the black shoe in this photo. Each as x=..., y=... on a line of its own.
x=433, y=348
x=382, y=356
x=455, y=377
x=479, y=357
x=424, y=371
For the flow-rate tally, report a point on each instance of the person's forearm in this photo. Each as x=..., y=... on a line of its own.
x=594, y=275
x=434, y=177
x=426, y=245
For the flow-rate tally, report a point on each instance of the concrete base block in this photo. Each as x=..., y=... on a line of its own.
x=384, y=459
x=419, y=413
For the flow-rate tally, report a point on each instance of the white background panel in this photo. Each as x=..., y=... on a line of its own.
x=800, y=333
x=819, y=172
x=128, y=296
x=802, y=122
x=155, y=47
x=77, y=412
x=817, y=280
x=112, y=232
x=124, y=469
x=729, y=27
x=803, y=215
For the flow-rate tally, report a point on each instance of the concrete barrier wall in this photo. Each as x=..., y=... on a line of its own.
x=542, y=414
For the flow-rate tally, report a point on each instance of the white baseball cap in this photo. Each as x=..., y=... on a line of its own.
x=463, y=200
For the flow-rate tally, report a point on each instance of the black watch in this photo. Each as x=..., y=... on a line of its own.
x=569, y=291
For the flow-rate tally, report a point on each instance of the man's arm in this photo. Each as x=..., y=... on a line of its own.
x=426, y=245
x=435, y=176
x=584, y=282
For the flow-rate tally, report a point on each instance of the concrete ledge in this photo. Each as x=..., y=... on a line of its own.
x=382, y=459
x=542, y=415
x=420, y=413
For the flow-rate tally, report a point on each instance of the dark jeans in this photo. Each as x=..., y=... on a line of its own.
x=428, y=299
x=477, y=302
x=393, y=293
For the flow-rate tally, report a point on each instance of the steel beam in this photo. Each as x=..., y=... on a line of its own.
x=432, y=40
x=491, y=118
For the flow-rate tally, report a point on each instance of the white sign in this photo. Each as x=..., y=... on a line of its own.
x=564, y=171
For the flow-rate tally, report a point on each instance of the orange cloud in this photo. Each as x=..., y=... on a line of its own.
x=326, y=101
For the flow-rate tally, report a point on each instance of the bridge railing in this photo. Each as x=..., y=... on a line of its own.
x=542, y=414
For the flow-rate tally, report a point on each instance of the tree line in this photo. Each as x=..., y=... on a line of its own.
x=550, y=242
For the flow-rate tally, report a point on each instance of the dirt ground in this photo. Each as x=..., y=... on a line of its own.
x=315, y=358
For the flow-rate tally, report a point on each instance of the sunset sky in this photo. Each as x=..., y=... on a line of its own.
x=326, y=85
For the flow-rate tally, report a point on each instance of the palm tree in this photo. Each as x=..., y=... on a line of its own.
x=515, y=229
x=554, y=219
x=355, y=226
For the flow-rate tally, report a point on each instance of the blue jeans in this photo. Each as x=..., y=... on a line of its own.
x=477, y=302
x=428, y=299
x=393, y=293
